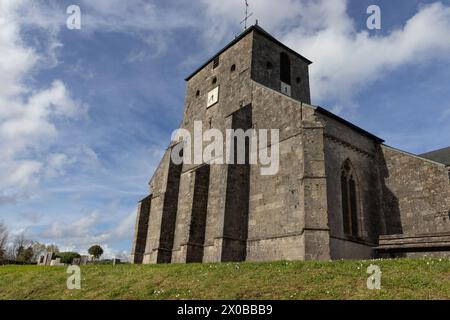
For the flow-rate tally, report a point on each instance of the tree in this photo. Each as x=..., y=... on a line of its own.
x=3, y=240
x=95, y=251
x=67, y=257
x=25, y=255
x=20, y=245
x=52, y=248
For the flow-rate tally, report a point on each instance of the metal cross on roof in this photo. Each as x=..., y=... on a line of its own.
x=247, y=15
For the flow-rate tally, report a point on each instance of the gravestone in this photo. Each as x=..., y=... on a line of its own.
x=84, y=260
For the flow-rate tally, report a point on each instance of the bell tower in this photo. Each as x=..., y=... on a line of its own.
x=271, y=64
x=199, y=212
x=279, y=67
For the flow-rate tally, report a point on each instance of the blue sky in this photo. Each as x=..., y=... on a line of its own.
x=85, y=114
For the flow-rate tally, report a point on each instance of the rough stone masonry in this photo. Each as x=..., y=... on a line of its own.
x=340, y=192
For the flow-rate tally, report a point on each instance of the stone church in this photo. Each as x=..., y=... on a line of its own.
x=340, y=192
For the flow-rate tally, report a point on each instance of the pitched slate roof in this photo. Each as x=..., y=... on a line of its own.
x=441, y=155
x=349, y=124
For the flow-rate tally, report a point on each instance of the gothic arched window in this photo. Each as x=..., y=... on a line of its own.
x=349, y=200
x=285, y=68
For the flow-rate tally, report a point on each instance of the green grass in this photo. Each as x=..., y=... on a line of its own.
x=401, y=279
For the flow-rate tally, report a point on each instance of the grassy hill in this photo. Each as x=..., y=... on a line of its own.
x=401, y=279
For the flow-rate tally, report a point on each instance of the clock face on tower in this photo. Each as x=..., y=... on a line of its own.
x=213, y=97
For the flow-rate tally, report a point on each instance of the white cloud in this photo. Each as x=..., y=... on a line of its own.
x=83, y=157
x=346, y=60
x=74, y=229
x=28, y=115
x=321, y=30
x=19, y=174
x=26, y=123
x=134, y=15
x=58, y=162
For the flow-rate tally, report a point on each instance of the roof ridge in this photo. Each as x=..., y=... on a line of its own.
x=437, y=150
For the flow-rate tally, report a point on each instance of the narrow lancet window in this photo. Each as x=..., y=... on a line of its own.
x=349, y=195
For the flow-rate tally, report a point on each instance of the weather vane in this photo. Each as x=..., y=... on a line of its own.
x=247, y=15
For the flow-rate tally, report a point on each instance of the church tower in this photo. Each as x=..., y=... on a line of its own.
x=213, y=213
x=263, y=59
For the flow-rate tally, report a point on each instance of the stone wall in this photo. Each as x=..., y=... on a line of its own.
x=189, y=237
x=199, y=212
x=345, y=144
x=235, y=229
x=158, y=187
x=183, y=217
x=276, y=218
x=141, y=229
x=416, y=194
x=314, y=187
x=215, y=214
x=287, y=216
